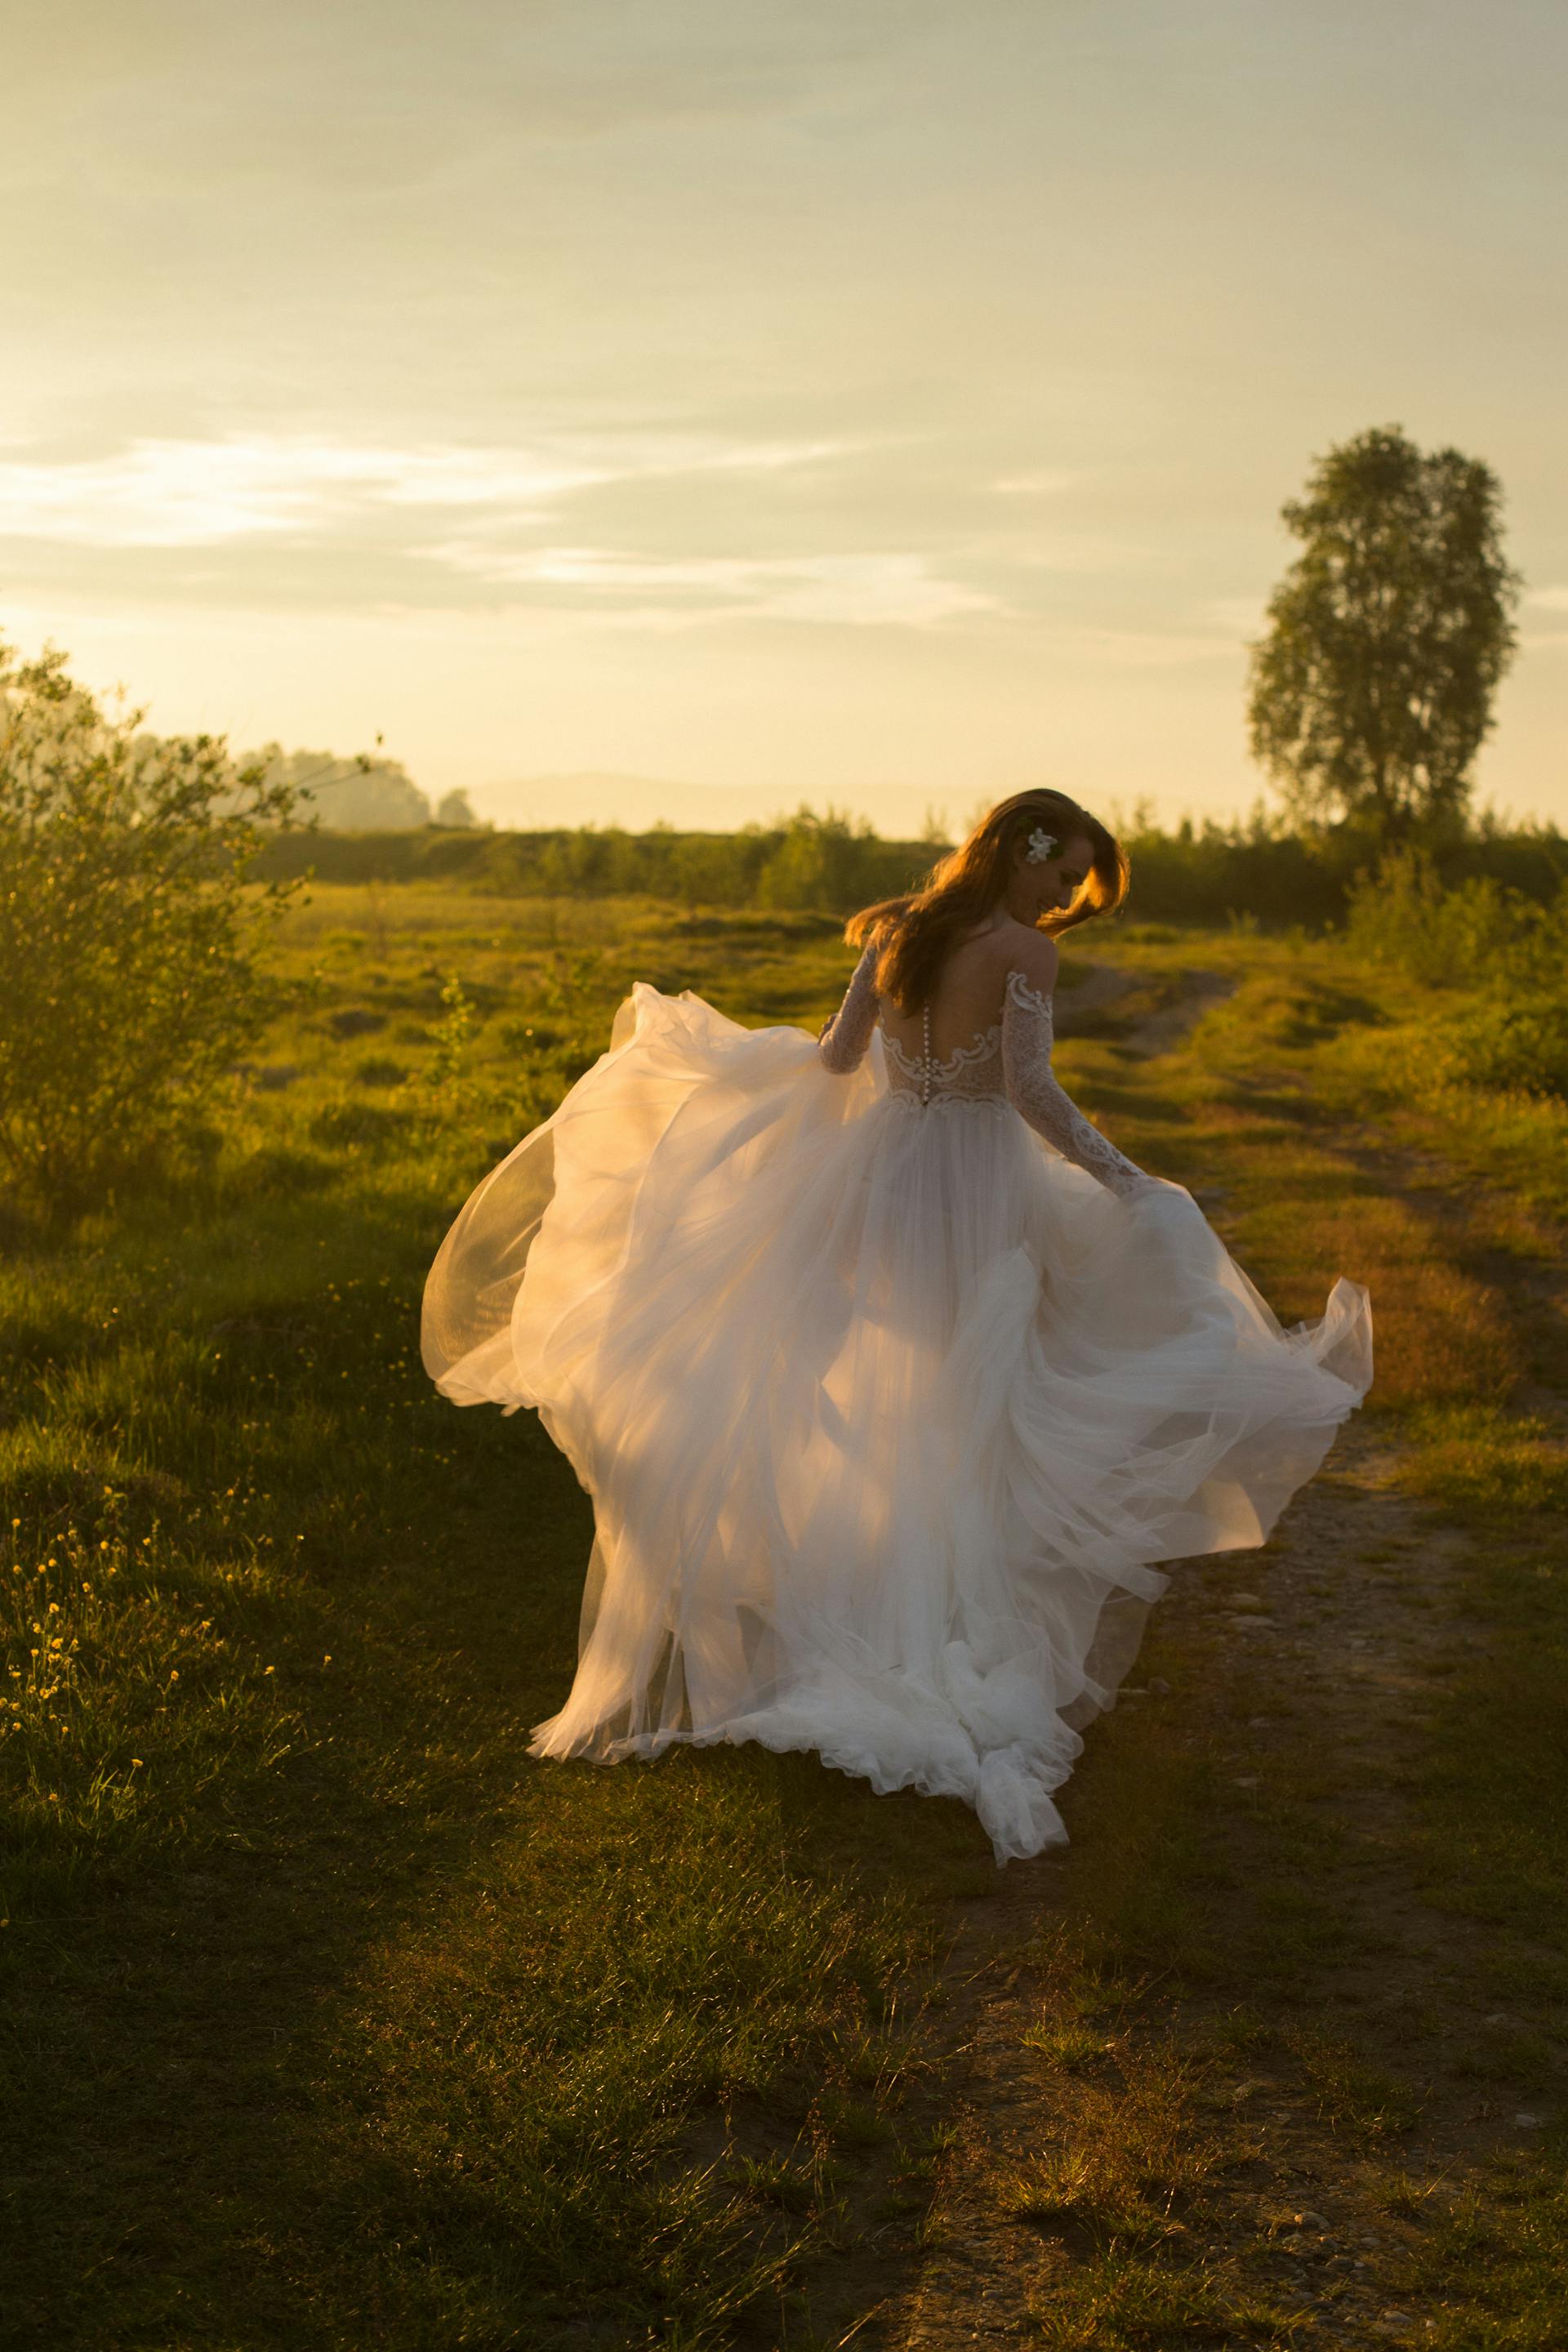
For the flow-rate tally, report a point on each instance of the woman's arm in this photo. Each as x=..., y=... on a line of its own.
x=841, y=1046
x=1028, y=1035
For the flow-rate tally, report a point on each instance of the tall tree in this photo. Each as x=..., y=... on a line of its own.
x=1372, y=692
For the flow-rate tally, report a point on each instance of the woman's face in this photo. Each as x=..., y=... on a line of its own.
x=1049, y=885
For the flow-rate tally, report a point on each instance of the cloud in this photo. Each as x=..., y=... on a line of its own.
x=203, y=493
x=1550, y=600
x=315, y=516
x=1240, y=616
x=898, y=590
x=1144, y=648
x=1041, y=483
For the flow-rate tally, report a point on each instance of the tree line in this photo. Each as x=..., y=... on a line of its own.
x=139, y=874
x=1371, y=690
x=1263, y=868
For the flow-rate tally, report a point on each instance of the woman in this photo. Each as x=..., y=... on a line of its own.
x=890, y=1377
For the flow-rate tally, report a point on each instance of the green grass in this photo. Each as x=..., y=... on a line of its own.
x=332, y=2020
x=343, y=2015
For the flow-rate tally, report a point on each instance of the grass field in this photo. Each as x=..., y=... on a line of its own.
x=333, y=2022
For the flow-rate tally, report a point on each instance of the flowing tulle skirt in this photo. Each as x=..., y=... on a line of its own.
x=887, y=1412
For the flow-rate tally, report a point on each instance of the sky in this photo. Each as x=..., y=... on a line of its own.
x=880, y=401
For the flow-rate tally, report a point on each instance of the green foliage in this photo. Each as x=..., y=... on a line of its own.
x=824, y=861
x=1209, y=873
x=127, y=935
x=1260, y=865
x=804, y=861
x=1507, y=952
x=453, y=1033
x=1372, y=692
x=1513, y=1048
x=1470, y=932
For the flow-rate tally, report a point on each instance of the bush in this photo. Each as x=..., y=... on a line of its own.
x=128, y=933
x=1209, y=873
x=1513, y=1048
x=1507, y=951
x=1477, y=932
x=1263, y=866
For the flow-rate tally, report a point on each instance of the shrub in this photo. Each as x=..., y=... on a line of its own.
x=128, y=933
x=1513, y=1048
x=1508, y=952
x=1477, y=930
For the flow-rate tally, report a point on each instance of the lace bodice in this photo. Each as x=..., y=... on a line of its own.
x=969, y=1072
x=1010, y=1062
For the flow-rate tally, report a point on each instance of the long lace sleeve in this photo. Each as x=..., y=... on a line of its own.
x=843, y=1042
x=1034, y=1091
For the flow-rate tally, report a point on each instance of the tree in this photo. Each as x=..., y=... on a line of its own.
x=454, y=810
x=364, y=794
x=129, y=934
x=1372, y=692
x=820, y=861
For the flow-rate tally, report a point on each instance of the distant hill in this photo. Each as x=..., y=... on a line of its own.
x=533, y=803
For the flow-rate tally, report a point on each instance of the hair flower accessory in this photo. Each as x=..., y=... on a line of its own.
x=1041, y=845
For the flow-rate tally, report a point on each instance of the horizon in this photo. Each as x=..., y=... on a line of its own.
x=559, y=394
x=1122, y=817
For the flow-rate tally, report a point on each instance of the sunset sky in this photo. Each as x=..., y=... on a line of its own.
x=840, y=399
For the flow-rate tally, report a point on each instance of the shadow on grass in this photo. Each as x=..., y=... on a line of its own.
x=368, y=2027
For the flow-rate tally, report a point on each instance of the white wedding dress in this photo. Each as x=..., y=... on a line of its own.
x=890, y=1379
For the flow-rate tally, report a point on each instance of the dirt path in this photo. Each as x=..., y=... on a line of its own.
x=1346, y=1658
x=1148, y=1011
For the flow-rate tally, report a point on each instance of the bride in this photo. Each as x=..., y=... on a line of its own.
x=891, y=1378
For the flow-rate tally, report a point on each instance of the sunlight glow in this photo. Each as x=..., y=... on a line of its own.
x=199, y=493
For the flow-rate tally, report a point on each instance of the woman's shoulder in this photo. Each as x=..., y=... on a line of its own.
x=1019, y=947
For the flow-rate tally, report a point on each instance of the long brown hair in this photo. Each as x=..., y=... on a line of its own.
x=915, y=933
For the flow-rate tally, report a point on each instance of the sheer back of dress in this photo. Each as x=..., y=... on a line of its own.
x=967, y=1072
x=952, y=1047
x=1002, y=1054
